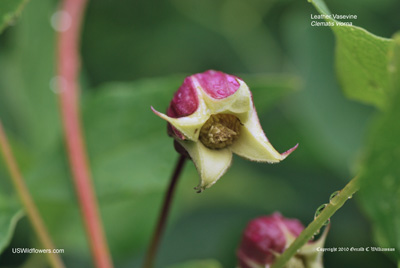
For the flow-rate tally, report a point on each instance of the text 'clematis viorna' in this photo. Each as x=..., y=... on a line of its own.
x=212, y=115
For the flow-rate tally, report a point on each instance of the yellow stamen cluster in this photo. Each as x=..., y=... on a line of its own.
x=220, y=131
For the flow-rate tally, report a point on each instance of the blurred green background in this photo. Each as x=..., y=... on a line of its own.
x=136, y=54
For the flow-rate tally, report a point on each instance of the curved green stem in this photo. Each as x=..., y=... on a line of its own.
x=162, y=220
x=336, y=203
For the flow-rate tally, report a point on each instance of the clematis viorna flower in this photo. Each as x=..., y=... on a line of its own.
x=212, y=116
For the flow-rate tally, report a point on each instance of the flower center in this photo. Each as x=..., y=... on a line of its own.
x=220, y=131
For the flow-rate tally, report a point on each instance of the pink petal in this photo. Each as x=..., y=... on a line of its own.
x=185, y=101
x=217, y=85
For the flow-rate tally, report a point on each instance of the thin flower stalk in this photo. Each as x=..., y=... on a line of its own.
x=152, y=250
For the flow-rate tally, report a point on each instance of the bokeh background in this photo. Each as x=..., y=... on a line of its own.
x=136, y=54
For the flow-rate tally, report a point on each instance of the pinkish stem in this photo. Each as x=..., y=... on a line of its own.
x=68, y=70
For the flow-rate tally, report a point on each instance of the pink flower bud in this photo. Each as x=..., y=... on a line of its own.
x=267, y=237
x=264, y=237
x=212, y=116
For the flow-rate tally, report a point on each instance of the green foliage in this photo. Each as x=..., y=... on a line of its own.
x=221, y=16
x=9, y=216
x=361, y=62
x=9, y=11
x=269, y=89
x=198, y=264
x=27, y=102
x=380, y=190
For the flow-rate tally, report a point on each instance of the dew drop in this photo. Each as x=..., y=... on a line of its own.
x=318, y=212
x=333, y=195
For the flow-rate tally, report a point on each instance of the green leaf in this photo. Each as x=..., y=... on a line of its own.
x=240, y=23
x=267, y=90
x=28, y=106
x=11, y=211
x=9, y=11
x=10, y=214
x=361, y=62
x=380, y=192
x=198, y=264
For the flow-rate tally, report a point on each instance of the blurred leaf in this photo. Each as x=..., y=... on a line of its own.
x=9, y=11
x=10, y=213
x=225, y=16
x=198, y=264
x=28, y=105
x=267, y=90
x=150, y=38
x=380, y=192
x=361, y=62
x=241, y=23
